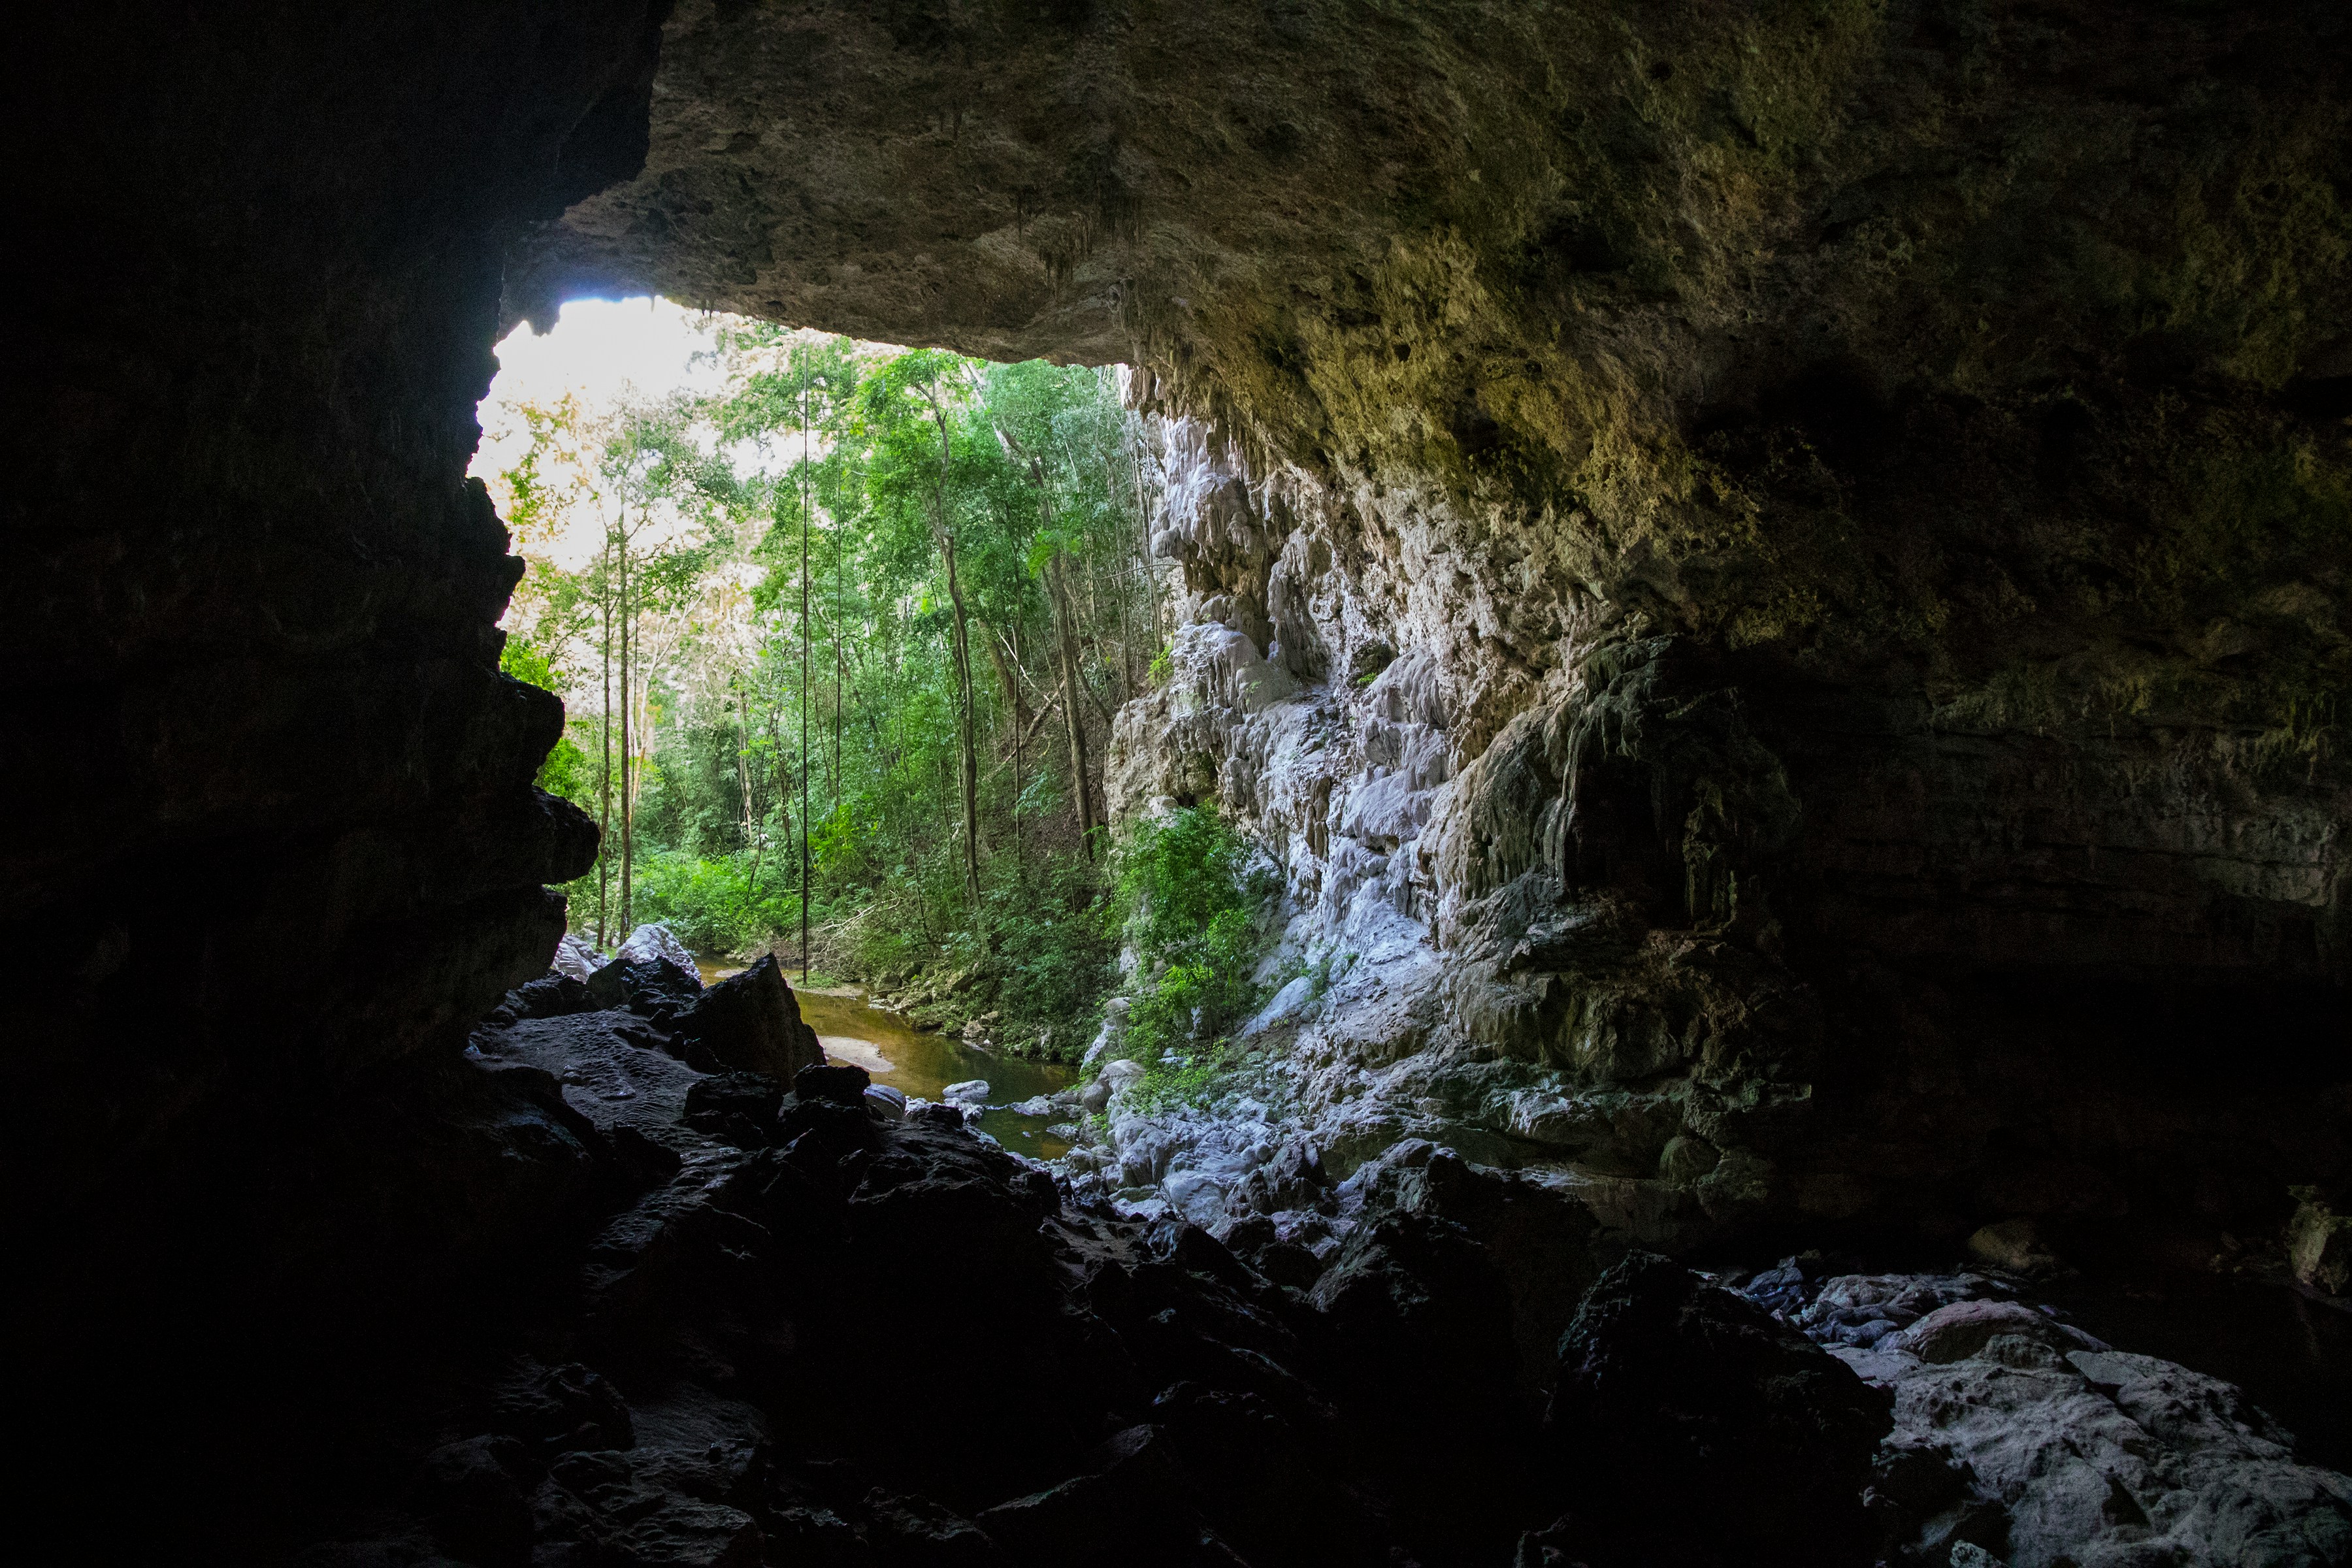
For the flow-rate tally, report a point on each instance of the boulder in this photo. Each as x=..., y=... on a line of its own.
x=740, y=1107
x=474, y=1493
x=748, y=1023
x=577, y=957
x=842, y=1084
x=653, y=941
x=655, y=989
x=2015, y=1245
x=2029, y=1453
x=1673, y=1392
x=972, y=1091
x=1134, y=1504
x=885, y=1103
x=560, y=1408
x=549, y=996
x=1959, y=1330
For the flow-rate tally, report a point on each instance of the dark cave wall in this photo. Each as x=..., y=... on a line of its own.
x=272, y=823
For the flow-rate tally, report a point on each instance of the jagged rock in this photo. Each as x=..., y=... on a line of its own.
x=654, y=988
x=1671, y=1389
x=1407, y=1290
x=839, y=1084
x=561, y=1407
x=740, y=1106
x=1133, y=1503
x=914, y=1532
x=576, y=957
x=474, y=1493
x=748, y=1023
x=1862, y=1308
x=549, y=996
x=2320, y=1244
x=1538, y=1239
x=2015, y=1245
x=2056, y=1455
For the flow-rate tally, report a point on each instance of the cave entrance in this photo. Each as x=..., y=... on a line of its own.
x=840, y=628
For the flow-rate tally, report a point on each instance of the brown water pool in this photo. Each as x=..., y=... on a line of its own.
x=920, y=1065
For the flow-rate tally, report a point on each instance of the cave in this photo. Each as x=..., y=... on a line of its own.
x=1771, y=577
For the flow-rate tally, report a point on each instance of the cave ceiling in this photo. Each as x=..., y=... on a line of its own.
x=1928, y=340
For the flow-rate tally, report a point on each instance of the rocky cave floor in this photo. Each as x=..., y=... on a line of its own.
x=809, y=1326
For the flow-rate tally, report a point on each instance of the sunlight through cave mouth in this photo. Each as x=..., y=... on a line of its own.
x=788, y=585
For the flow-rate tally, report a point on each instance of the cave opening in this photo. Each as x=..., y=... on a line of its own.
x=1652, y=815
x=755, y=575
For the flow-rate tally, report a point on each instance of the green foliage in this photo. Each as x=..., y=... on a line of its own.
x=569, y=771
x=1187, y=892
x=714, y=904
x=1176, y=874
x=789, y=623
x=1056, y=959
x=525, y=659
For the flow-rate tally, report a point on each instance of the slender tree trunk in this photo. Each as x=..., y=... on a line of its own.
x=840, y=663
x=967, y=734
x=1057, y=595
x=1008, y=675
x=743, y=782
x=807, y=518
x=604, y=773
x=1020, y=743
x=628, y=765
x=965, y=727
x=1057, y=599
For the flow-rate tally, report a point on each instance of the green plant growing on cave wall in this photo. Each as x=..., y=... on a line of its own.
x=1187, y=896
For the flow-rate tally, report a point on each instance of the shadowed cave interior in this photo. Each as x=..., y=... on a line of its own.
x=1769, y=578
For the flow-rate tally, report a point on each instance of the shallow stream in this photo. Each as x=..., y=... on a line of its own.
x=920, y=1065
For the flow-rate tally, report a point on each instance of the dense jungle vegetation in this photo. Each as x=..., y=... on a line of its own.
x=841, y=645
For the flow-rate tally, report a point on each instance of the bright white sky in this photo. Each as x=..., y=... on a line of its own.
x=600, y=349
x=602, y=352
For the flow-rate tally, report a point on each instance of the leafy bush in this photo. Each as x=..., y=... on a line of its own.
x=1054, y=958
x=1186, y=890
x=1177, y=873
x=569, y=773
x=712, y=904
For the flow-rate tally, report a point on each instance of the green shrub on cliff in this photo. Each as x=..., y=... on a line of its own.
x=1186, y=892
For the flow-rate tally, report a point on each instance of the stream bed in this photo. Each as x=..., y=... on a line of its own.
x=919, y=1064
